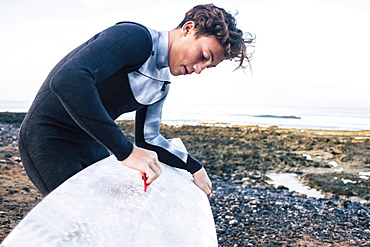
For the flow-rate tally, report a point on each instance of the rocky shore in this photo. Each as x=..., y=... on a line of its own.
x=248, y=210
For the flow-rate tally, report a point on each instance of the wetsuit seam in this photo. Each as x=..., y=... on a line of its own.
x=32, y=163
x=82, y=119
x=124, y=39
x=39, y=104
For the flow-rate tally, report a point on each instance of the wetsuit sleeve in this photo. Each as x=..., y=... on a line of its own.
x=147, y=126
x=118, y=47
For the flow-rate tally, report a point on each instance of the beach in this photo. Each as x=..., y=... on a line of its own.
x=248, y=208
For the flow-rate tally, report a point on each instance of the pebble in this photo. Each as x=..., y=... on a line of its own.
x=272, y=217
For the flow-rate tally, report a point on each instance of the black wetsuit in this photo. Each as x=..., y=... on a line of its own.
x=70, y=124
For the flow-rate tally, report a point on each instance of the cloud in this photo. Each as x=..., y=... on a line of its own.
x=97, y=3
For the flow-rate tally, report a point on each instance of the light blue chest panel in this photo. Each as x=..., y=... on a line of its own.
x=150, y=83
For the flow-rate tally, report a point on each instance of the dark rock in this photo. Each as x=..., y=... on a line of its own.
x=7, y=156
x=281, y=187
x=11, y=117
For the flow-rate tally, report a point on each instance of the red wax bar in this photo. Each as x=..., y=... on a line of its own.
x=145, y=178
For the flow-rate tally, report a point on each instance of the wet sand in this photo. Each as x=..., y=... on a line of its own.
x=248, y=211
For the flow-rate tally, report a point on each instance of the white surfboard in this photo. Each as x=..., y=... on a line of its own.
x=105, y=205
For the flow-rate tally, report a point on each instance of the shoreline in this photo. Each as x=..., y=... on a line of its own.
x=17, y=116
x=331, y=152
x=244, y=204
x=330, y=132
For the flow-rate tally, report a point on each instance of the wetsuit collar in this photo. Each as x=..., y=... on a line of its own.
x=162, y=50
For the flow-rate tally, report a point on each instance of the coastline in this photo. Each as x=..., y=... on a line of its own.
x=319, y=157
x=245, y=206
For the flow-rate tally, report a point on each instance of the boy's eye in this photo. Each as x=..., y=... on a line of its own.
x=202, y=56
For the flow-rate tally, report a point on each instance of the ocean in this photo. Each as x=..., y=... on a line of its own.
x=327, y=118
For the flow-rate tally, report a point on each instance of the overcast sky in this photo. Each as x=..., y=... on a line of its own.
x=308, y=52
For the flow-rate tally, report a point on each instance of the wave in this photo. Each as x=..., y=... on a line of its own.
x=274, y=116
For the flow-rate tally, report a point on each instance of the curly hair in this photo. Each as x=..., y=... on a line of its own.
x=212, y=20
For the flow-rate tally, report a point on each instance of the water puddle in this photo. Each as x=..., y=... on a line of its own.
x=291, y=181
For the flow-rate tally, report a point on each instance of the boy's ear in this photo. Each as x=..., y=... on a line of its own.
x=188, y=27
